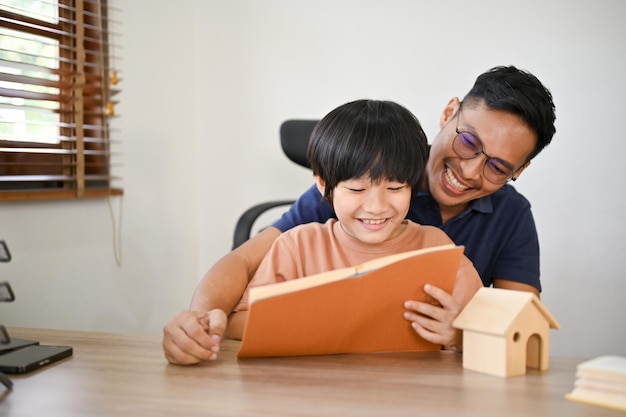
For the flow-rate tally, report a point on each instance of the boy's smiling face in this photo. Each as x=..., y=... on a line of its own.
x=372, y=212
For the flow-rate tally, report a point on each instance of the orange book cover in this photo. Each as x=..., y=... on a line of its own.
x=350, y=310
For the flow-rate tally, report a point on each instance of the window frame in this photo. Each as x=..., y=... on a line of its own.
x=80, y=165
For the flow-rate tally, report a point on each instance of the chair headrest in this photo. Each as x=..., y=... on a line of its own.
x=294, y=139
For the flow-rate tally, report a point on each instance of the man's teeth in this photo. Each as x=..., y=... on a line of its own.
x=453, y=181
x=373, y=221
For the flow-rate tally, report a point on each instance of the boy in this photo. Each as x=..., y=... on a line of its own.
x=368, y=158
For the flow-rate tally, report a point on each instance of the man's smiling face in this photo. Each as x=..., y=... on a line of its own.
x=453, y=181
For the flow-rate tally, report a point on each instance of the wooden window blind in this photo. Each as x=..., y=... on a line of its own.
x=58, y=84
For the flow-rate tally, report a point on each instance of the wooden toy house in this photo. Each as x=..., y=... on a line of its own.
x=505, y=331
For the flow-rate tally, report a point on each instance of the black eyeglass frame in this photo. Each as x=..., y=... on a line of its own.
x=481, y=151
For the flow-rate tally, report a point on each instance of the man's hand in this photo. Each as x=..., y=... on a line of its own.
x=194, y=336
x=434, y=323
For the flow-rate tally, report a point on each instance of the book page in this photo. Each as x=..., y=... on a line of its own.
x=265, y=291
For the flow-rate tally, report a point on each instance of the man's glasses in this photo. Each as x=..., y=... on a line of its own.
x=468, y=146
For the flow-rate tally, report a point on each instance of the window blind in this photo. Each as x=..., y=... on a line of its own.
x=58, y=84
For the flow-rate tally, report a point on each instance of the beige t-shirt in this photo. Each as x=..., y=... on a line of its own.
x=313, y=248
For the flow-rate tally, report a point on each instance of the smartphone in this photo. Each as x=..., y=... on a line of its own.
x=32, y=357
x=15, y=344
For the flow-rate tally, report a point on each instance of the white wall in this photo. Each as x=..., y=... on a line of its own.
x=207, y=96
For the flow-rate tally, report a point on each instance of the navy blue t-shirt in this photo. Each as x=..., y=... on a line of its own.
x=498, y=231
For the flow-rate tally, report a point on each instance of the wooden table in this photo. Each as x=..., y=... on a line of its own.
x=126, y=375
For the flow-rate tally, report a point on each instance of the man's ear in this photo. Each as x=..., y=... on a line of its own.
x=321, y=184
x=449, y=111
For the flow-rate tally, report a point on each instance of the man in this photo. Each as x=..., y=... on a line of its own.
x=485, y=141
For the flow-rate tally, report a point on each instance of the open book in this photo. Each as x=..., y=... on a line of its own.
x=349, y=310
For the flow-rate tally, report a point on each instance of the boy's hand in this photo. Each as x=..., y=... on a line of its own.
x=434, y=323
x=194, y=336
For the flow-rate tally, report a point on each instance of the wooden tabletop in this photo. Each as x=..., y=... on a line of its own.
x=114, y=374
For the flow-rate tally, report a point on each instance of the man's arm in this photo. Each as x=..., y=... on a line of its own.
x=513, y=285
x=193, y=335
x=225, y=282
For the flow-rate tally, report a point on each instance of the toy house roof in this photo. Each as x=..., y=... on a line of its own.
x=494, y=310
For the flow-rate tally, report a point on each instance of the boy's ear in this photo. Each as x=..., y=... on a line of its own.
x=321, y=184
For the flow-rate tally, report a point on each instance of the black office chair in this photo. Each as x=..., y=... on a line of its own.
x=294, y=139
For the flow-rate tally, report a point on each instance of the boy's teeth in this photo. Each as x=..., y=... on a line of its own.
x=370, y=221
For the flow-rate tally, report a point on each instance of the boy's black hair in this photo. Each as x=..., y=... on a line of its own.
x=521, y=93
x=381, y=139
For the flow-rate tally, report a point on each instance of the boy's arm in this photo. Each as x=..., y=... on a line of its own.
x=193, y=335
